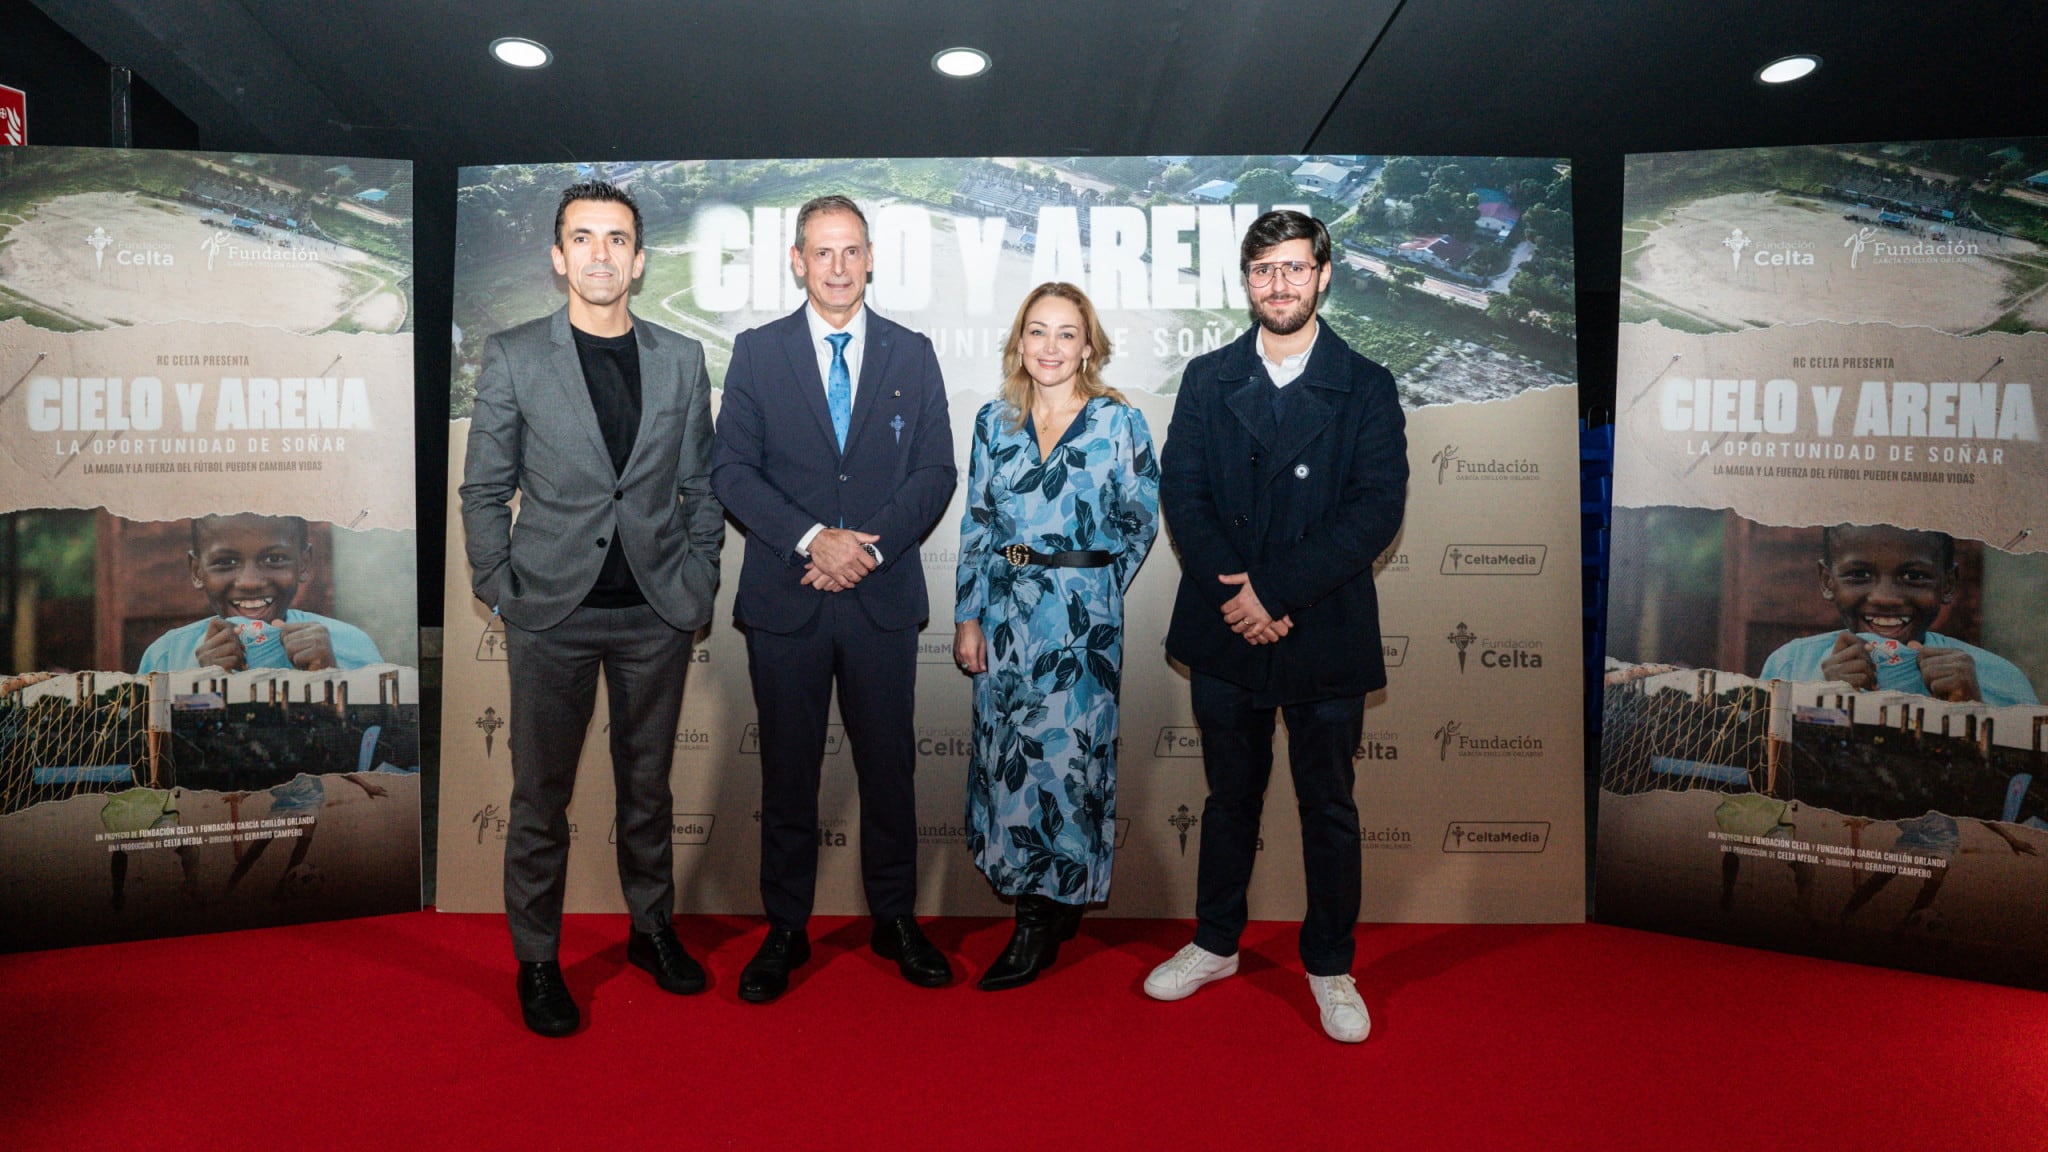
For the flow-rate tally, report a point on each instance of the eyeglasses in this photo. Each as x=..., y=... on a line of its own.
x=1297, y=273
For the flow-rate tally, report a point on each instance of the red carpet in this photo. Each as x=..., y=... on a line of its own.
x=403, y=1032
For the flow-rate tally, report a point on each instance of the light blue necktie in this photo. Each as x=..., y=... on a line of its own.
x=839, y=387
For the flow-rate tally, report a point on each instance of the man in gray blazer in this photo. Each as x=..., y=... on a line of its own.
x=601, y=424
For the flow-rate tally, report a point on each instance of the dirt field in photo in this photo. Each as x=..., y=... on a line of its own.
x=47, y=259
x=363, y=859
x=1682, y=264
x=1659, y=869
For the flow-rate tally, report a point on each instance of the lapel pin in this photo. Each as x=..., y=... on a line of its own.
x=898, y=394
x=1301, y=471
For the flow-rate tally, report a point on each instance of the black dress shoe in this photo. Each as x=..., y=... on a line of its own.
x=1041, y=924
x=766, y=976
x=662, y=954
x=899, y=938
x=545, y=1001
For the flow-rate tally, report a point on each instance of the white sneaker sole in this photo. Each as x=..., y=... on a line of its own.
x=1170, y=993
x=1340, y=1038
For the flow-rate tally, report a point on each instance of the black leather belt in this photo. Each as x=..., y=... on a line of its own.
x=1021, y=554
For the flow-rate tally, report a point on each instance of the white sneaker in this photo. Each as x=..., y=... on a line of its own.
x=1189, y=969
x=1344, y=1015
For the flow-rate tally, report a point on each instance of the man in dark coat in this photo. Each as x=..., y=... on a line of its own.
x=1282, y=479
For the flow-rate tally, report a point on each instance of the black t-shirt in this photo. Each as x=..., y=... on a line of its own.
x=611, y=370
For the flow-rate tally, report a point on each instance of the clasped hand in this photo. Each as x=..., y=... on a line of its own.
x=838, y=561
x=306, y=644
x=1249, y=618
x=1949, y=673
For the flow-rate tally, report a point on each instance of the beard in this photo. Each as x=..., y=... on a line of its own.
x=1285, y=319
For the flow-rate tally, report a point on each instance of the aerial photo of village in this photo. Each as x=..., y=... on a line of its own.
x=1455, y=272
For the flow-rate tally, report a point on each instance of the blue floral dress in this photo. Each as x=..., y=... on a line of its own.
x=1041, y=781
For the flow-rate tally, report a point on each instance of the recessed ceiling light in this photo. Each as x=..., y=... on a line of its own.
x=1787, y=69
x=961, y=62
x=520, y=52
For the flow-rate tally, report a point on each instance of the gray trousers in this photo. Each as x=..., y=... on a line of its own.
x=554, y=688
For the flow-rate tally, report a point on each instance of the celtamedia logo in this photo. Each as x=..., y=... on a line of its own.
x=99, y=241
x=1735, y=243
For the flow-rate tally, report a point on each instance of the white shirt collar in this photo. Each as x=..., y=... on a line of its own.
x=821, y=328
x=1299, y=358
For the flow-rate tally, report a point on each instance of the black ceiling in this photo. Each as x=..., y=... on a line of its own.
x=637, y=78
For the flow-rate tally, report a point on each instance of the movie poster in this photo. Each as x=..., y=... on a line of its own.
x=210, y=718
x=1454, y=272
x=1827, y=639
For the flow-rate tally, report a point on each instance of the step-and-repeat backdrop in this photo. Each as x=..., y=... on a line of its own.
x=210, y=717
x=1827, y=640
x=1454, y=272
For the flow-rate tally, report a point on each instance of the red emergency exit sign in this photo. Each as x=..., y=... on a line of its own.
x=13, y=115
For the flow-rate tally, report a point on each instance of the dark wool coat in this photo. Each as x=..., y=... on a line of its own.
x=1303, y=506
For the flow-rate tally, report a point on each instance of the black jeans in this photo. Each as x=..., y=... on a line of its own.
x=1237, y=756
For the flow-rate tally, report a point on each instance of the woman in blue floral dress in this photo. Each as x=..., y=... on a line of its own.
x=1062, y=504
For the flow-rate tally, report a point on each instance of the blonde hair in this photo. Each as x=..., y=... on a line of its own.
x=1017, y=384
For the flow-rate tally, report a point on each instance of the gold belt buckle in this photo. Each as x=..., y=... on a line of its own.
x=1017, y=554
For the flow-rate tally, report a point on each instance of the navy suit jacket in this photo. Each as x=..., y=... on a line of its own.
x=1303, y=506
x=778, y=469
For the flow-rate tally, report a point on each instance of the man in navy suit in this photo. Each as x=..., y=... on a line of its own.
x=835, y=453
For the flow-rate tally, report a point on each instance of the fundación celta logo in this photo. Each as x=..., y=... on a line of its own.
x=1182, y=820
x=1495, y=652
x=490, y=722
x=1462, y=637
x=1735, y=243
x=99, y=240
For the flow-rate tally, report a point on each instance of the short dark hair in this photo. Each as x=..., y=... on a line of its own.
x=831, y=203
x=1943, y=542
x=298, y=524
x=1278, y=227
x=603, y=191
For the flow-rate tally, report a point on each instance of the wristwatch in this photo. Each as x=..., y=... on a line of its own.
x=874, y=553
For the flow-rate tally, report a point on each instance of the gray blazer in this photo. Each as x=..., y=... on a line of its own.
x=533, y=432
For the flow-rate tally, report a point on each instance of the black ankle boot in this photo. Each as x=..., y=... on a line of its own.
x=1042, y=923
x=1067, y=920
